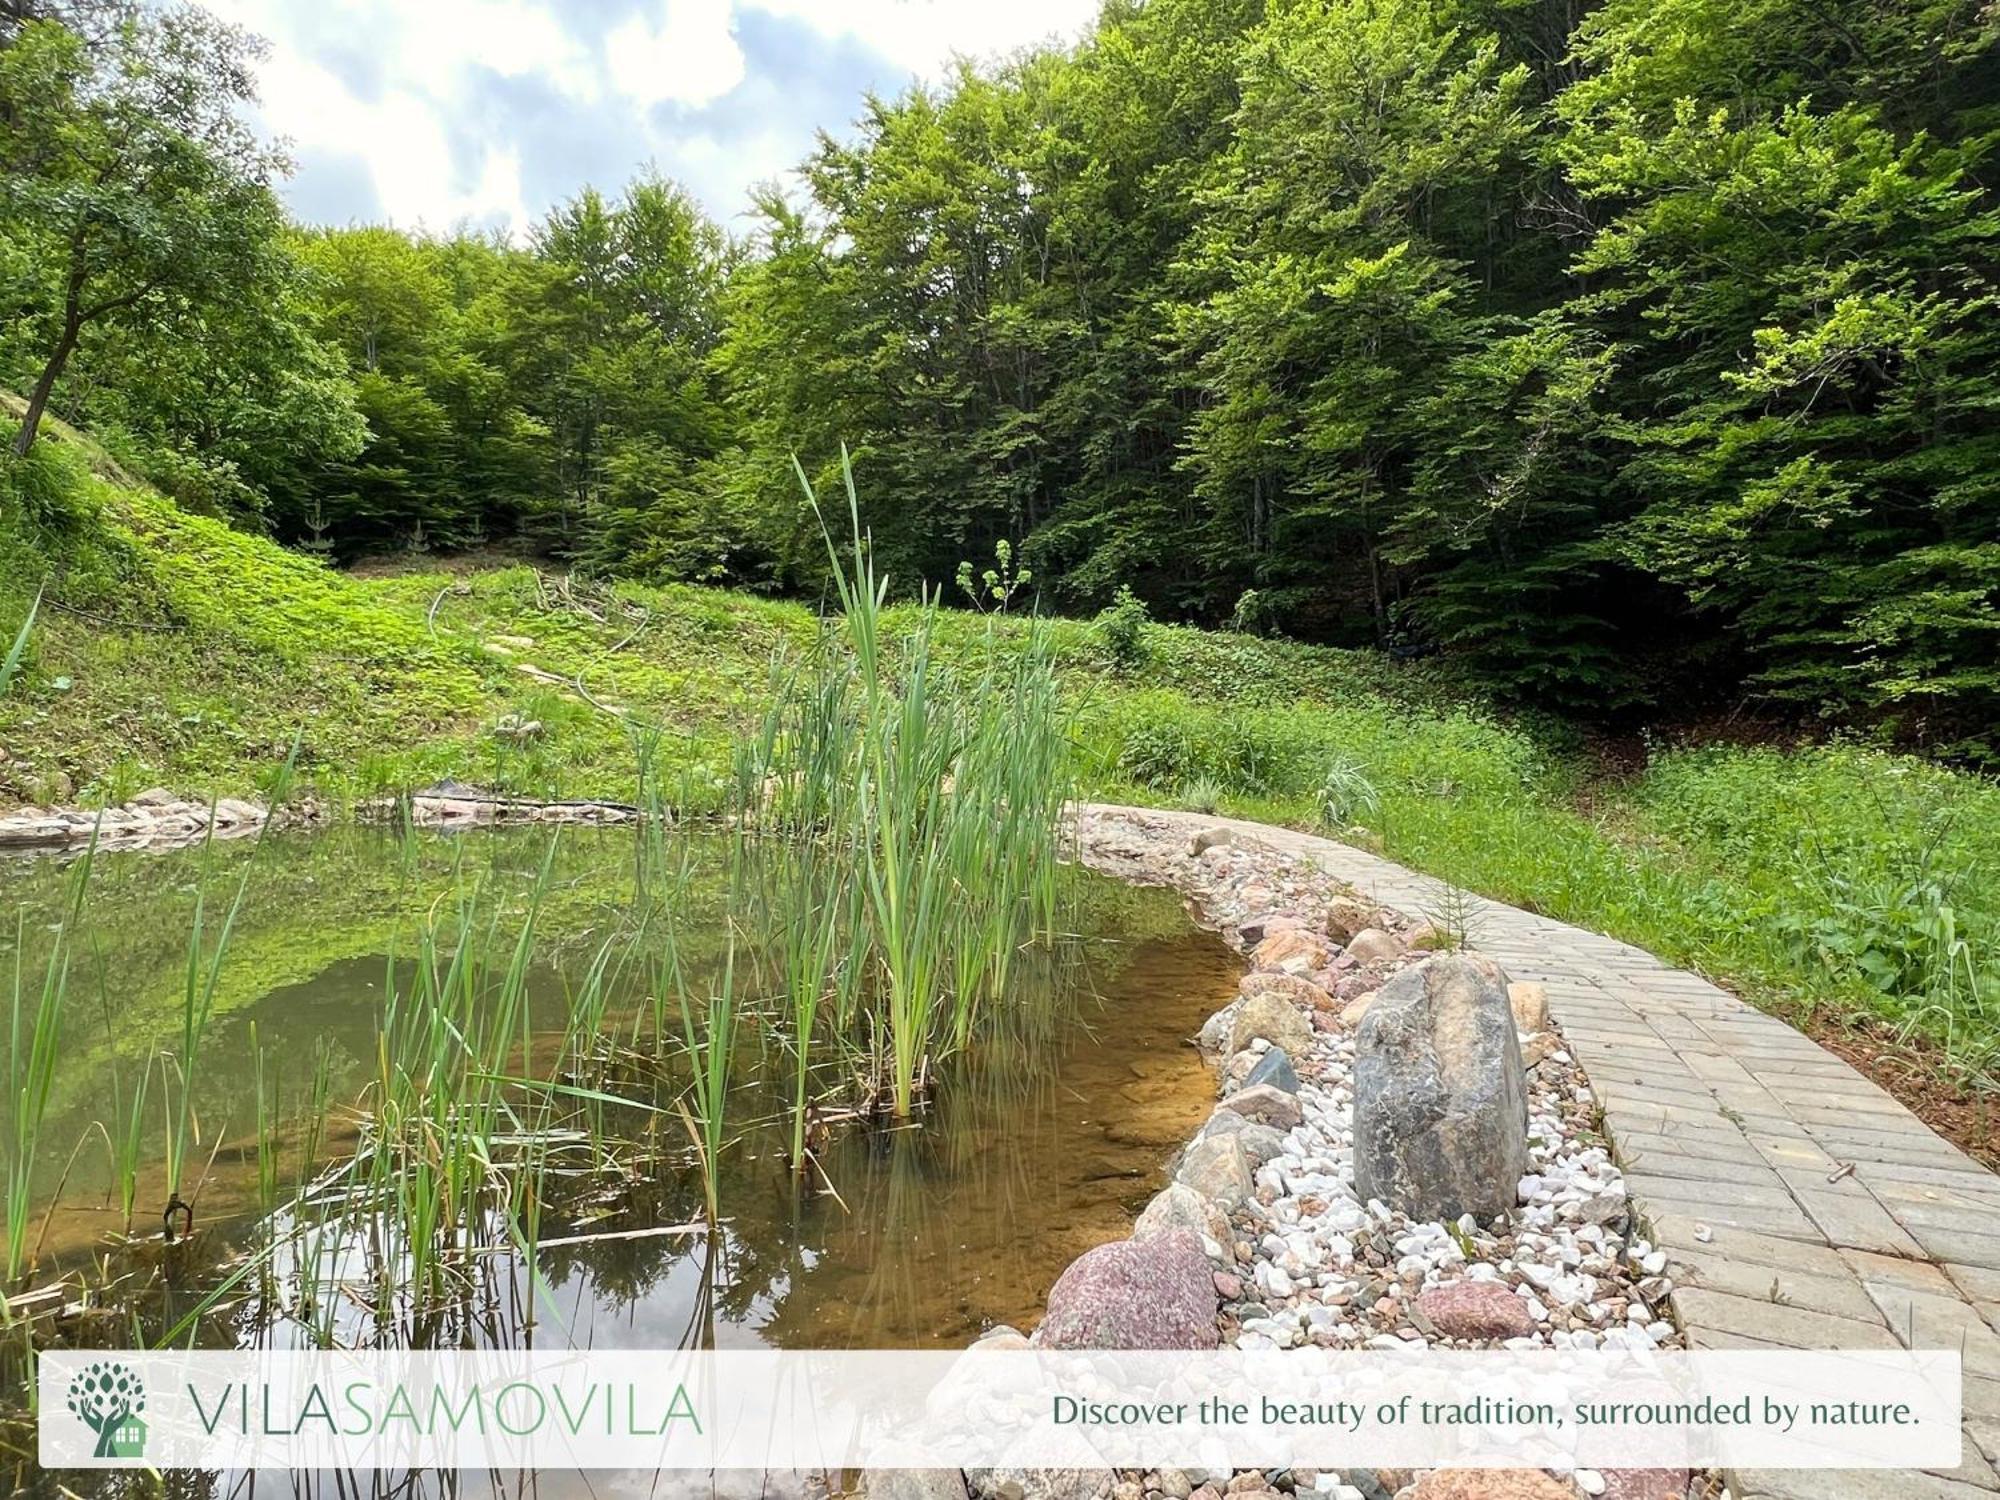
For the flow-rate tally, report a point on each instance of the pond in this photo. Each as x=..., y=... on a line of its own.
x=1041, y=1136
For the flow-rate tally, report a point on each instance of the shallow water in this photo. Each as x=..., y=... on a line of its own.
x=1043, y=1139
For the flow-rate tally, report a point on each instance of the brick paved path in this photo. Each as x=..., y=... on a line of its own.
x=1834, y=1218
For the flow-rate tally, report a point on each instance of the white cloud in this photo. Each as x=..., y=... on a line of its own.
x=407, y=103
x=922, y=35
x=690, y=57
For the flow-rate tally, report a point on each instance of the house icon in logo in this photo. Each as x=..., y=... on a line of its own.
x=108, y=1397
x=128, y=1439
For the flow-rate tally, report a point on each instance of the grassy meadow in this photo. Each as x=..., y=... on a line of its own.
x=1833, y=880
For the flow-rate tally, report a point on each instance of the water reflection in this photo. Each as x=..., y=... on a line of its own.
x=1047, y=1135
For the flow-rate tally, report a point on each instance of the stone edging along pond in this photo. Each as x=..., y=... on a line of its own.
x=1263, y=1239
x=158, y=819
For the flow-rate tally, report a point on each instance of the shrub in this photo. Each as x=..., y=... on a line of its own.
x=1203, y=795
x=1121, y=628
x=1346, y=795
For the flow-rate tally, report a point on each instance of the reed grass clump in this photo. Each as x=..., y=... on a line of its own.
x=930, y=800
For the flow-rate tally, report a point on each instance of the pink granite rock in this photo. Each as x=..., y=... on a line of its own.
x=1134, y=1294
x=1477, y=1310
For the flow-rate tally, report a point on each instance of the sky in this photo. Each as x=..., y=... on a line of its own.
x=428, y=113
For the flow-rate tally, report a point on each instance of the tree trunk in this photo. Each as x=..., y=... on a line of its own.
x=38, y=399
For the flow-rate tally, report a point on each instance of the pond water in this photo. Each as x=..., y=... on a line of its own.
x=1044, y=1136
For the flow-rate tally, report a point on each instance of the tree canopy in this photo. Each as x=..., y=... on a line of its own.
x=1634, y=354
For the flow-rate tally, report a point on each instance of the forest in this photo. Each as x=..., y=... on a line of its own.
x=1635, y=359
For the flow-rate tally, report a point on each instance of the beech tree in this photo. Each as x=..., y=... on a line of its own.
x=135, y=195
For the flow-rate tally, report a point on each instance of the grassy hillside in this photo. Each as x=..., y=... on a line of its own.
x=169, y=649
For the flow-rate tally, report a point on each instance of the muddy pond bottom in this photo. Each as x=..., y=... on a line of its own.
x=1044, y=1137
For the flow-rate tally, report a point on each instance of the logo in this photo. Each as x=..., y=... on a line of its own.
x=108, y=1398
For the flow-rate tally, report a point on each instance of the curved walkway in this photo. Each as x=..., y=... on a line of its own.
x=1801, y=1205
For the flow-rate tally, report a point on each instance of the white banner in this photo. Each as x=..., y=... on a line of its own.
x=1312, y=1408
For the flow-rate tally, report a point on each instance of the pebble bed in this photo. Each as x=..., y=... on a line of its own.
x=1311, y=1264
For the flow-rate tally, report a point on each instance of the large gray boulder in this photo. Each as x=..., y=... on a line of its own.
x=1440, y=1095
x=1157, y=1293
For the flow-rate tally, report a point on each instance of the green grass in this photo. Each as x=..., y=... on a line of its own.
x=170, y=649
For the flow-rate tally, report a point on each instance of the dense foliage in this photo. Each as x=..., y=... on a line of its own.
x=1643, y=353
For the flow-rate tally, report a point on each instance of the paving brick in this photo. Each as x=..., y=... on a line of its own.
x=1848, y=1484
x=1675, y=1231
x=1773, y=1322
x=1836, y=1296
x=1852, y=1220
x=1698, y=1145
x=1970, y=1194
x=1897, y=1271
x=1981, y=1283
x=1656, y=1163
x=1923, y=1321
x=1984, y=1433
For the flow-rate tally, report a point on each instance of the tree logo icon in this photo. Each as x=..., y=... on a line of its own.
x=108, y=1398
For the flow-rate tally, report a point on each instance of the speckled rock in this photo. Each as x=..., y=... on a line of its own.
x=1266, y=1104
x=1477, y=1310
x=1039, y=1484
x=1347, y=915
x=1179, y=1208
x=1260, y=1143
x=1440, y=1094
x=913, y=1484
x=1291, y=952
x=1491, y=1484
x=1214, y=1038
x=1300, y=991
x=1277, y=1021
x=1218, y=1168
x=1373, y=946
x=1644, y=1484
x=1157, y=1293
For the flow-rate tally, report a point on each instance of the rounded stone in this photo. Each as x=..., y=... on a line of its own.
x=1218, y=1168
x=1260, y=1143
x=1480, y=1310
x=1292, y=951
x=1293, y=987
x=1265, y=1104
x=1349, y=914
x=1373, y=945
x=1490, y=1484
x=1274, y=1019
x=1157, y=1293
x=1274, y=1069
x=1179, y=1208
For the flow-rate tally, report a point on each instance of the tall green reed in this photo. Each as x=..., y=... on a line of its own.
x=10, y=666
x=936, y=792
x=711, y=1045
x=33, y=1041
